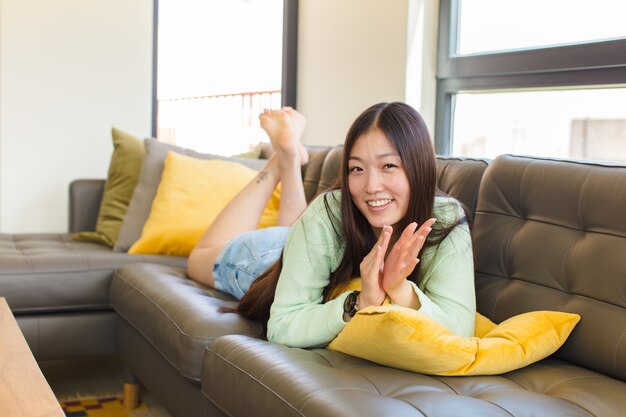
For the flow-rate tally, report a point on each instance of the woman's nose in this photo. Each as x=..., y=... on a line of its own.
x=374, y=183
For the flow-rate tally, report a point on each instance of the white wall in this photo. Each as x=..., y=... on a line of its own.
x=351, y=54
x=354, y=53
x=69, y=70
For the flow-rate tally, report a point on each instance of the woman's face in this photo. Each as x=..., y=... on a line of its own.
x=377, y=181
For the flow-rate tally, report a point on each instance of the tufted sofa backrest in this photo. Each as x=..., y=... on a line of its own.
x=460, y=178
x=551, y=235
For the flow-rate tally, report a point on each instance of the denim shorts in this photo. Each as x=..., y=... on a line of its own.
x=246, y=257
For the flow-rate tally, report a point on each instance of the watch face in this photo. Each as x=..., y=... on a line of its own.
x=349, y=306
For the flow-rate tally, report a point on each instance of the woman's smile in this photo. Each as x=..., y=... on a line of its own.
x=380, y=203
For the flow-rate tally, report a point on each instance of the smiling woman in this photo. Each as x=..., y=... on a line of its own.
x=379, y=224
x=388, y=152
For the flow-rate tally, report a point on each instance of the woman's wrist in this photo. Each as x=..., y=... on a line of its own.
x=364, y=301
x=404, y=295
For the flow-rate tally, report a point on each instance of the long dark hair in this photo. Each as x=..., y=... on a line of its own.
x=406, y=131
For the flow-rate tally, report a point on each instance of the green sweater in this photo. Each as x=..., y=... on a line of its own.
x=299, y=318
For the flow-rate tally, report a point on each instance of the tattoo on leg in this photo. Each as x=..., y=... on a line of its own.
x=262, y=176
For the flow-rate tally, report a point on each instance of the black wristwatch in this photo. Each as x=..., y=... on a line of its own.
x=349, y=306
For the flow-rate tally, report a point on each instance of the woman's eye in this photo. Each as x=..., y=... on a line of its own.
x=388, y=166
x=355, y=169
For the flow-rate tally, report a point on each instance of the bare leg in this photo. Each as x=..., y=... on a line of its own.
x=242, y=213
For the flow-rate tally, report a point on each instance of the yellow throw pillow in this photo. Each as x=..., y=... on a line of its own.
x=191, y=194
x=406, y=339
x=122, y=178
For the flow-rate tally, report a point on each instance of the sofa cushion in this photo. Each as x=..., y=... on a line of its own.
x=295, y=382
x=121, y=181
x=191, y=195
x=148, y=182
x=46, y=273
x=178, y=316
x=551, y=235
x=407, y=339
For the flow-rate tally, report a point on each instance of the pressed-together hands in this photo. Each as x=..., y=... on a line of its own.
x=381, y=277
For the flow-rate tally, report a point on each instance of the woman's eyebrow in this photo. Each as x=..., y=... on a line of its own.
x=385, y=155
x=381, y=156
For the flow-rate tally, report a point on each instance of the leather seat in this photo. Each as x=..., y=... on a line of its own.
x=178, y=316
x=283, y=381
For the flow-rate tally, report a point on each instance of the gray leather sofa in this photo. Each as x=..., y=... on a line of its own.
x=58, y=289
x=548, y=234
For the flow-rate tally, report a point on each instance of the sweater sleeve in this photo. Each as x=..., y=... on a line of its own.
x=298, y=316
x=446, y=291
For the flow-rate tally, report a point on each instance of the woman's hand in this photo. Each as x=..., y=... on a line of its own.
x=401, y=262
x=371, y=268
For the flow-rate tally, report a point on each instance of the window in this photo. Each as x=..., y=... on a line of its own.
x=536, y=23
x=532, y=78
x=219, y=63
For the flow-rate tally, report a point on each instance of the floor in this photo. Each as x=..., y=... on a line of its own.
x=93, y=378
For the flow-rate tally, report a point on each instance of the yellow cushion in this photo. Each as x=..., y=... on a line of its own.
x=404, y=338
x=191, y=194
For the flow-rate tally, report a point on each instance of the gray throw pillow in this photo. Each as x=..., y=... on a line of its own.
x=149, y=179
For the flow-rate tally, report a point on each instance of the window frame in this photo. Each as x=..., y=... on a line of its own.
x=596, y=64
x=289, y=57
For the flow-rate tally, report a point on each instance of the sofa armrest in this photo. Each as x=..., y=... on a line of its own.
x=85, y=199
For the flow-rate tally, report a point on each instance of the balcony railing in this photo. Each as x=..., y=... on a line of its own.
x=224, y=124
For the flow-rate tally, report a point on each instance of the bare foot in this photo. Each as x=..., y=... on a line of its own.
x=284, y=128
x=299, y=123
